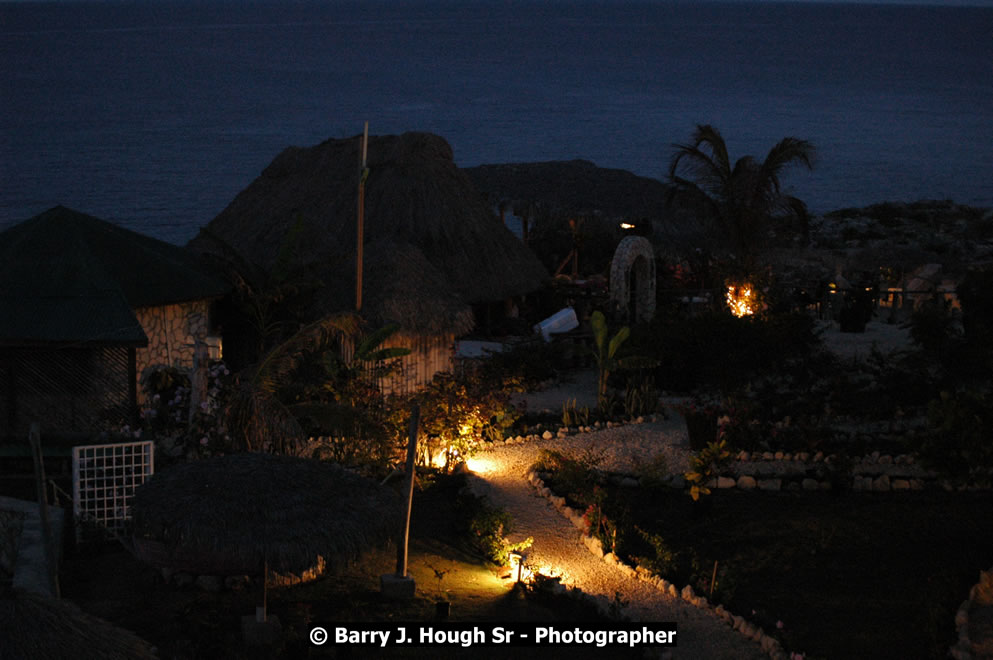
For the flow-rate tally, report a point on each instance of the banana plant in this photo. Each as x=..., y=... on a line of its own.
x=605, y=353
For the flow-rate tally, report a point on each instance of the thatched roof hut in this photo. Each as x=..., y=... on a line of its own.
x=66, y=276
x=433, y=245
x=32, y=626
x=231, y=514
x=82, y=301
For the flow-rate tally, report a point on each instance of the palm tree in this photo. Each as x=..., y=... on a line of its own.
x=744, y=199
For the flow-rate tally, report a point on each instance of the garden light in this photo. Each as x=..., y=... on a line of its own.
x=517, y=565
x=479, y=465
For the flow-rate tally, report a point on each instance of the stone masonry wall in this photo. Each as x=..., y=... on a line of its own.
x=173, y=331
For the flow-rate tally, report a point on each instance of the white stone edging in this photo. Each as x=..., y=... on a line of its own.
x=767, y=471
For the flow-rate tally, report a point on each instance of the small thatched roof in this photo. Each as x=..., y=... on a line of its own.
x=69, y=277
x=40, y=628
x=241, y=510
x=428, y=231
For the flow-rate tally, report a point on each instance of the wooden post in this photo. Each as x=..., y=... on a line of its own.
x=415, y=413
x=34, y=437
x=133, y=417
x=363, y=173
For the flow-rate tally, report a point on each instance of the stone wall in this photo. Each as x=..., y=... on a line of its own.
x=173, y=331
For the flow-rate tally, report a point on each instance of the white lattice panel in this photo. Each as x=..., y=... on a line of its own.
x=104, y=478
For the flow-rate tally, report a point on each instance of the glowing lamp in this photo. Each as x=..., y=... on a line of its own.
x=517, y=565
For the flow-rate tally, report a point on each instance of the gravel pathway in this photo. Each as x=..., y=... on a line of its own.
x=557, y=545
x=558, y=550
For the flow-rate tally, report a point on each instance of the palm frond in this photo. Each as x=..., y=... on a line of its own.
x=281, y=360
x=616, y=341
x=743, y=198
x=373, y=340
x=706, y=134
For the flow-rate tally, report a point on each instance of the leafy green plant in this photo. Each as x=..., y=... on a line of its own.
x=463, y=410
x=487, y=526
x=664, y=561
x=572, y=415
x=707, y=464
x=605, y=353
x=641, y=397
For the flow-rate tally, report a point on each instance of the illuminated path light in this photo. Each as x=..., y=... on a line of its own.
x=558, y=550
x=481, y=464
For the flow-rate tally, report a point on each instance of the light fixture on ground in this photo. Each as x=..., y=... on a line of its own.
x=517, y=560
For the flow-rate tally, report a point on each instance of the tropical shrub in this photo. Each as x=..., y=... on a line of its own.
x=686, y=567
x=705, y=465
x=167, y=418
x=487, y=526
x=461, y=411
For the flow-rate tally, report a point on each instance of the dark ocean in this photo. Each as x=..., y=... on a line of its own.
x=156, y=114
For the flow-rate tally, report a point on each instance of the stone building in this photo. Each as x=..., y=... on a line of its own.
x=86, y=307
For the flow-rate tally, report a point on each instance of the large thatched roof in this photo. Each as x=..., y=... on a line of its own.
x=69, y=277
x=40, y=628
x=428, y=231
x=236, y=512
x=572, y=187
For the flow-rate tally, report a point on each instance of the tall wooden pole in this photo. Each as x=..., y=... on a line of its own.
x=34, y=438
x=363, y=173
x=415, y=413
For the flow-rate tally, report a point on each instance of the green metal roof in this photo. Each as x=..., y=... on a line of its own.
x=68, y=277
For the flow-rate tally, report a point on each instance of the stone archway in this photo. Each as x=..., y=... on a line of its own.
x=632, y=279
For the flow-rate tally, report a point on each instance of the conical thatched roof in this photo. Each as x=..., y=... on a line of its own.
x=417, y=202
x=32, y=626
x=238, y=511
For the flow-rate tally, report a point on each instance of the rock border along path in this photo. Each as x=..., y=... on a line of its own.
x=501, y=474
